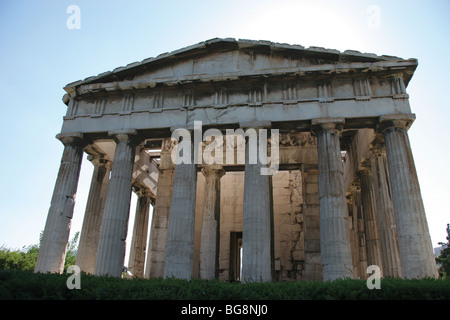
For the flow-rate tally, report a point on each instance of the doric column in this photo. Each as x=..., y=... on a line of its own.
x=416, y=251
x=90, y=232
x=180, y=237
x=111, y=248
x=385, y=214
x=359, y=251
x=156, y=255
x=139, y=240
x=210, y=235
x=334, y=230
x=57, y=227
x=257, y=222
x=312, y=269
x=370, y=225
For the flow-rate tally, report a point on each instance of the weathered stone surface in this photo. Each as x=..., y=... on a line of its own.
x=334, y=235
x=179, y=260
x=256, y=251
x=57, y=227
x=111, y=247
x=139, y=239
x=414, y=240
x=156, y=253
x=370, y=225
x=210, y=233
x=90, y=235
x=385, y=215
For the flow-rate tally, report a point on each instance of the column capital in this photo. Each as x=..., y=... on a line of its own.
x=124, y=136
x=364, y=170
x=213, y=170
x=327, y=124
x=395, y=121
x=142, y=191
x=377, y=146
x=99, y=160
x=75, y=139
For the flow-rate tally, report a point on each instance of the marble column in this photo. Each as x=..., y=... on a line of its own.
x=335, y=246
x=257, y=222
x=415, y=248
x=312, y=269
x=385, y=215
x=179, y=261
x=139, y=240
x=156, y=255
x=111, y=248
x=210, y=234
x=90, y=231
x=57, y=227
x=370, y=225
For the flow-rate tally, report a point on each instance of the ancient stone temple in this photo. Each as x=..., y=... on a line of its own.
x=262, y=161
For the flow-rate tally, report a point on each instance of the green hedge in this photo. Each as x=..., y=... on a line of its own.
x=22, y=285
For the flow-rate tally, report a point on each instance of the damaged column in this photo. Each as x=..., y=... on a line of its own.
x=57, y=227
x=156, y=255
x=179, y=261
x=370, y=225
x=334, y=231
x=415, y=248
x=257, y=224
x=385, y=213
x=111, y=249
x=210, y=235
x=90, y=232
x=139, y=239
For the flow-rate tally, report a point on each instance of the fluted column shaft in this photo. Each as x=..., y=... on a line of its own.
x=57, y=227
x=370, y=225
x=256, y=234
x=179, y=261
x=156, y=255
x=139, y=240
x=210, y=235
x=335, y=246
x=111, y=248
x=385, y=217
x=90, y=232
x=416, y=251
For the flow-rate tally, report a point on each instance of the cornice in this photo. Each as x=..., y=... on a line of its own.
x=345, y=62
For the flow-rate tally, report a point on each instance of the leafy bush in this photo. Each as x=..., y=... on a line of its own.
x=25, y=259
x=443, y=261
x=24, y=285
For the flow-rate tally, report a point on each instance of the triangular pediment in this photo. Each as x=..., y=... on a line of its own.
x=228, y=83
x=225, y=59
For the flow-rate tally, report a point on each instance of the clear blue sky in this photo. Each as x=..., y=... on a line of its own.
x=39, y=55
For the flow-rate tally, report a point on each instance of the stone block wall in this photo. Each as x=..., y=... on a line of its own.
x=296, y=236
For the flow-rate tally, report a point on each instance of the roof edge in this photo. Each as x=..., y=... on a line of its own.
x=239, y=44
